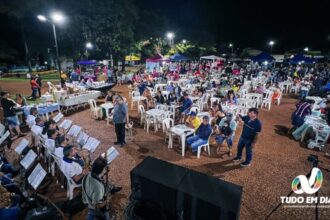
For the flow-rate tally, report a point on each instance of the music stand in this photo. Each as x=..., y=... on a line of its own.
x=28, y=160
x=58, y=117
x=37, y=176
x=74, y=131
x=110, y=154
x=4, y=137
x=65, y=124
x=82, y=138
x=91, y=144
x=21, y=146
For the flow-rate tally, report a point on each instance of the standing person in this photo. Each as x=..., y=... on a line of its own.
x=38, y=80
x=34, y=87
x=251, y=129
x=94, y=192
x=120, y=117
x=8, y=106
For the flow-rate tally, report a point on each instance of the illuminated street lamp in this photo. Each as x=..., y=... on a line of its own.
x=170, y=37
x=89, y=46
x=184, y=41
x=232, y=47
x=271, y=44
x=55, y=17
x=306, y=49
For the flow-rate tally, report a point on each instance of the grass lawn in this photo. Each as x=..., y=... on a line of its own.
x=53, y=77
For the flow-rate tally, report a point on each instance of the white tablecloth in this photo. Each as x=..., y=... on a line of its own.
x=155, y=112
x=79, y=99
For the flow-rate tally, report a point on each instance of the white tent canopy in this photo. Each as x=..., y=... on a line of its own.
x=211, y=57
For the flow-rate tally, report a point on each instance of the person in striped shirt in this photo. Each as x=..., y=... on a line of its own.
x=303, y=109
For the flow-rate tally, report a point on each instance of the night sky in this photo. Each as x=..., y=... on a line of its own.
x=246, y=23
x=252, y=23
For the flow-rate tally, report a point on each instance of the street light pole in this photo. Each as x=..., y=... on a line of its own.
x=271, y=43
x=57, y=53
x=55, y=17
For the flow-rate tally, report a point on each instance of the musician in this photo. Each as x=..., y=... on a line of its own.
x=9, y=205
x=38, y=127
x=31, y=118
x=70, y=166
x=9, y=107
x=94, y=191
x=62, y=143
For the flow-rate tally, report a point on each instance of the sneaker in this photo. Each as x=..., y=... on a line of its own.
x=237, y=159
x=245, y=164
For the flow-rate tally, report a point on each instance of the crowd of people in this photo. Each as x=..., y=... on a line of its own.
x=219, y=123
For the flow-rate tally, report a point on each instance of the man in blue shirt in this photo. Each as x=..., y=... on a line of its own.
x=120, y=118
x=202, y=135
x=251, y=129
x=186, y=105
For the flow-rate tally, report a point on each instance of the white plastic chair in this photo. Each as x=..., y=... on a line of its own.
x=167, y=124
x=150, y=120
x=267, y=101
x=206, y=147
x=129, y=131
x=135, y=94
x=95, y=112
x=142, y=113
x=71, y=185
x=278, y=99
x=194, y=109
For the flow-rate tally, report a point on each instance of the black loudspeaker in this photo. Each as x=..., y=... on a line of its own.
x=157, y=181
x=185, y=194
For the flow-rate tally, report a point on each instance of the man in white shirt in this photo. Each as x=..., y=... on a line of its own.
x=38, y=127
x=70, y=167
x=62, y=142
x=31, y=118
x=50, y=142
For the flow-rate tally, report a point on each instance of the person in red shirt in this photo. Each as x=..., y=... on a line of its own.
x=34, y=87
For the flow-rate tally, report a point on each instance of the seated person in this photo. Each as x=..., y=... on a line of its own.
x=62, y=143
x=31, y=118
x=226, y=131
x=159, y=98
x=170, y=87
x=195, y=93
x=201, y=135
x=50, y=124
x=193, y=121
x=235, y=88
x=259, y=89
x=9, y=205
x=149, y=99
x=276, y=94
x=50, y=142
x=109, y=97
x=171, y=98
x=38, y=127
x=231, y=98
x=74, y=76
x=20, y=100
x=70, y=167
x=186, y=105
